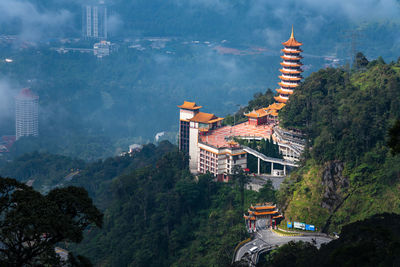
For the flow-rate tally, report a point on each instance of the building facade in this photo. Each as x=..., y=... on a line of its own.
x=27, y=114
x=219, y=160
x=94, y=21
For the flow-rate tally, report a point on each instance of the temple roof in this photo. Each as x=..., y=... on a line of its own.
x=297, y=57
x=292, y=41
x=189, y=105
x=280, y=91
x=297, y=64
x=259, y=113
x=280, y=99
x=205, y=118
x=287, y=51
x=288, y=85
x=276, y=106
x=297, y=78
x=262, y=207
x=291, y=71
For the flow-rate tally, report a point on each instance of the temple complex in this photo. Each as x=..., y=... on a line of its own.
x=212, y=147
x=291, y=69
x=265, y=115
x=266, y=211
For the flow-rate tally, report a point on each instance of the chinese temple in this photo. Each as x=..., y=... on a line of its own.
x=291, y=69
x=266, y=211
x=264, y=115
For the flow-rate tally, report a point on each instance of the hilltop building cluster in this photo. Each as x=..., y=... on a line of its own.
x=212, y=147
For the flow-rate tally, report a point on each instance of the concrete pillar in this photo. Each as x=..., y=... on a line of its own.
x=272, y=168
x=258, y=166
x=284, y=170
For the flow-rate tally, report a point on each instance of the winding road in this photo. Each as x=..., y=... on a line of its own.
x=265, y=239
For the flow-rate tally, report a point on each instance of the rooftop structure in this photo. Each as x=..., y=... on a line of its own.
x=265, y=115
x=291, y=69
x=26, y=115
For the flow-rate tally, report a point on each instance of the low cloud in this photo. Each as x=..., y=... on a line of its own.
x=34, y=24
x=7, y=94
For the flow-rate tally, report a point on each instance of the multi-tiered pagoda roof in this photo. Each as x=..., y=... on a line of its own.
x=291, y=69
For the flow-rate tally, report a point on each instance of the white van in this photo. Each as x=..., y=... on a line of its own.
x=253, y=249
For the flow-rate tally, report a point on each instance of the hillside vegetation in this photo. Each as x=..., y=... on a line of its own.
x=348, y=172
x=155, y=212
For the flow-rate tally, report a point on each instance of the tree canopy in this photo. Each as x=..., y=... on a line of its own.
x=31, y=224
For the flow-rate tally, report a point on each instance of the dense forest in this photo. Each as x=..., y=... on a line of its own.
x=349, y=172
x=155, y=212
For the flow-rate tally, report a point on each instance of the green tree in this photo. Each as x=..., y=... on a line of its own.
x=32, y=224
x=360, y=61
x=240, y=179
x=394, y=138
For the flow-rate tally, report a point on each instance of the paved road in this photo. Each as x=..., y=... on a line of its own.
x=265, y=239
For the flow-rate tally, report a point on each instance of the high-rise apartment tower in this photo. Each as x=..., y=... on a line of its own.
x=27, y=111
x=94, y=21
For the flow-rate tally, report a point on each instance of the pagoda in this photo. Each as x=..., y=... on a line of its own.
x=291, y=69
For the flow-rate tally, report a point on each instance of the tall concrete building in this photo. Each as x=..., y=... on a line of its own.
x=27, y=111
x=94, y=21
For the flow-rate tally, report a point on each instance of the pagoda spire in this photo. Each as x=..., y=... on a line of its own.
x=292, y=35
x=291, y=69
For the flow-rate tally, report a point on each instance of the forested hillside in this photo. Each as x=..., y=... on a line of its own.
x=155, y=212
x=348, y=172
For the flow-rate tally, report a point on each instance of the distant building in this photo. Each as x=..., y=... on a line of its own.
x=94, y=21
x=103, y=48
x=26, y=115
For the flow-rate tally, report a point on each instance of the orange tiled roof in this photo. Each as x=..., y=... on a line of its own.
x=297, y=71
x=189, y=105
x=262, y=207
x=291, y=78
x=215, y=120
x=259, y=113
x=291, y=58
x=204, y=117
x=292, y=41
x=297, y=64
x=284, y=92
x=288, y=85
x=276, y=106
x=286, y=51
x=264, y=212
x=280, y=99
